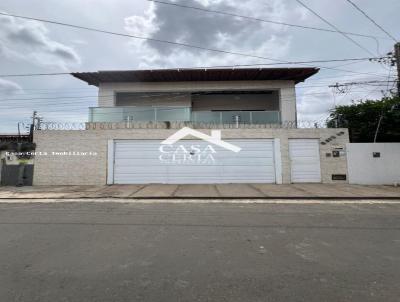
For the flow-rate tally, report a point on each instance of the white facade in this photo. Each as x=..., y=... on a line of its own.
x=286, y=89
x=127, y=150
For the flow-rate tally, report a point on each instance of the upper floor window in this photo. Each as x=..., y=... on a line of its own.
x=152, y=99
x=237, y=100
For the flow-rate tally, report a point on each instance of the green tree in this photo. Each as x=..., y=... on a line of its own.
x=362, y=118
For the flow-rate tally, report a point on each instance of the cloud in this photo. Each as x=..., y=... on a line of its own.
x=9, y=87
x=210, y=30
x=30, y=41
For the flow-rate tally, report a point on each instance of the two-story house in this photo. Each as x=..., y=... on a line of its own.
x=254, y=109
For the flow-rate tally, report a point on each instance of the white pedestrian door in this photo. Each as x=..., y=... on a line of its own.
x=304, y=160
x=139, y=161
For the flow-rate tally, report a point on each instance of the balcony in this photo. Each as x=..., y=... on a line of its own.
x=138, y=114
x=233, y=117
x=174, y=114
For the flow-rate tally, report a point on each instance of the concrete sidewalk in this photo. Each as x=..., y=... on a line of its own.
x=220, y=191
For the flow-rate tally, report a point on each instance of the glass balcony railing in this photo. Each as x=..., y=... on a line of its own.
x=163, y=114
x=241, y=117
x=138, y=114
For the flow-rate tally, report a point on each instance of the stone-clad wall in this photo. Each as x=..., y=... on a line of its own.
x=89, y=169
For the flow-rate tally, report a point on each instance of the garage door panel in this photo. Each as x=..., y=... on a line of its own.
x=304, y=160
x=137, y=161
x=261, y=170
x=143, y=180
x=148, y=160
x=247, y=162
x=131, y=164
x=306, y=179
x=258, y=170
x=311, y=168
x=134, y=155
x=306, y=155
x=142, y=169
x=246, y=155
x=193, y=170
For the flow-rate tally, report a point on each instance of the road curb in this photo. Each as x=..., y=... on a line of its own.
x=207, y=200
x=218, y=197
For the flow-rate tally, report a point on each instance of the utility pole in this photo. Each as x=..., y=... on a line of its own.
x=36, y=123
x=32, y=127
x=397, y=58
x=34, y=115
x=392, y=58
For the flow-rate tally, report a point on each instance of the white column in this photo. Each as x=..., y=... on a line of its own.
x=110, y=162
x=288, y=104
x=278, y=160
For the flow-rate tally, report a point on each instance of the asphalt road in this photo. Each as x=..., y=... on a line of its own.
x=199, y=252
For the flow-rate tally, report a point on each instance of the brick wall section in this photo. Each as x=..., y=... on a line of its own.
x=92, y=170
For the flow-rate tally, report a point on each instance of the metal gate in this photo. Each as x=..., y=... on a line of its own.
x=11, y=173
x=304, y=160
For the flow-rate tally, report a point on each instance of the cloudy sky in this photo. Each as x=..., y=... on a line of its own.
x=35, y=47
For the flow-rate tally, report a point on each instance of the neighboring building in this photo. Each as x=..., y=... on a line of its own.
x=16, y=168
x=254, y=108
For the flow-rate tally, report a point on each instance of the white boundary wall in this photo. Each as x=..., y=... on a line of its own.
x=365, y=169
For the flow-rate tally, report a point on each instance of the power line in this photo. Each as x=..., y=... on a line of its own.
x=34, y=74
x=168, y=96
x=47, y=90
x=369, y=92
x=318, y=79
x=222, y=66
x=360, y=83
x=99, y=96
x=372, y=20
x=150, y=39
x=164, y=95
x=335, y=27
x=71, y=112
x=211, y=67
x=140, y=37
x=328, y=81
x=80, y=99
x=389, y=72
x=77, y=104
x=259, y=19
x=29, y=92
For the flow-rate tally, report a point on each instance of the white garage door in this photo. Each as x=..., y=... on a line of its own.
x=141, y=161
x=304, y=160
